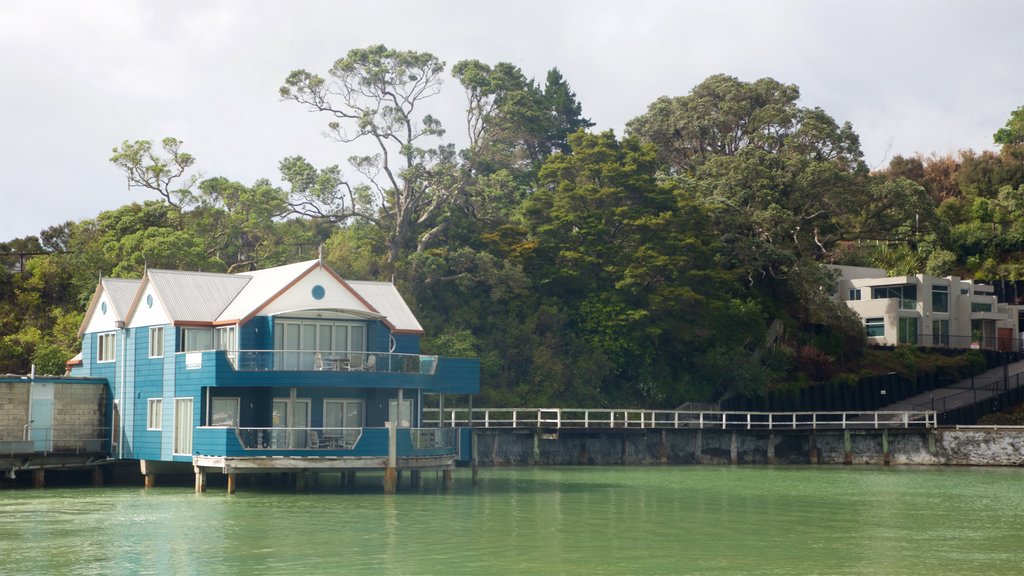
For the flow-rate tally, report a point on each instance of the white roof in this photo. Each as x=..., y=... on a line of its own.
x=195, y=296
x=385, y=298
x=207, y=297
x=262, y=286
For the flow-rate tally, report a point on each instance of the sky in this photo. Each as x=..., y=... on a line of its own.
x=78, y=78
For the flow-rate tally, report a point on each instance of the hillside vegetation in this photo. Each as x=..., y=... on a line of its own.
x=582, y=268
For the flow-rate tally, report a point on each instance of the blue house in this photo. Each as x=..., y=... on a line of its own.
x=285, y=369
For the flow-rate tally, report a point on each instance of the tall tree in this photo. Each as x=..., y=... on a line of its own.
x=374, y=94
x=165, y=175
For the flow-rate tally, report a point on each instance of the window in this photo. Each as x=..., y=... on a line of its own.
x=981, y=307
x=301, y=339
x=342, y=414
x=940, y=332
x=105, y=346
x=224, y=338
x=906, y=294
x=907, y=331
x=224, y=412
x=875, y=327
x=182, y=426
x=156, y=342
x=854, y=294
x=196, y=339
x=940, y=298
x=154, y=417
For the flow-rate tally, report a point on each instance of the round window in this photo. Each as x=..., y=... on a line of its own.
x=319, y=292
x=149, y=300
x=103, y=308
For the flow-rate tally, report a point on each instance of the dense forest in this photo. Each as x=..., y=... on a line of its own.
x=582, y=268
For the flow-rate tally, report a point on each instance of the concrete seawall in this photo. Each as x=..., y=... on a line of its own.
x=675, y=446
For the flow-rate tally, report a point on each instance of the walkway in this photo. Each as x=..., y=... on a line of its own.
x=966, y=392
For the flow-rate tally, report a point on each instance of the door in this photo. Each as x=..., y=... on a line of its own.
x=182, y=426
x=406, y=417
x=41, y=416
x=288, y=436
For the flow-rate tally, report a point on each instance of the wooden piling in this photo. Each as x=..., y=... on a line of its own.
x=232, y=482
x=473, y=451
x=733, y=450
x=663, y=448
x=698, y=457
x=447, y=476
x=415, y=479
x=149, y=481
x=391, y=472
x=771, y=448
x=97, y=476
x=847, y=448
x=39, y=478
x=200, y=485
x=812, y=449
x=535, y=459
x=885, y=448
x=390, y=478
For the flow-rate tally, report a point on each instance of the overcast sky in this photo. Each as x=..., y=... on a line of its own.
x=78, y=78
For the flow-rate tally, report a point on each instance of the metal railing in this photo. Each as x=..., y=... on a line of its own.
x=56, y=441
x=432, y=438
x=279, y=438
x=331, y=361
x=583, y=418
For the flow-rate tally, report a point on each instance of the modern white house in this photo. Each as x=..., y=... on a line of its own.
x=927, y=310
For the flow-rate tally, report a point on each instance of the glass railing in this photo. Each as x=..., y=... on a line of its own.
x=278, y=438
x=432, y=438
x=331, y=361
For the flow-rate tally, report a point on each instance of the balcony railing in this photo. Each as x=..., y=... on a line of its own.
x=58, y=441
x=299, y=438
x=277, y=439
x=331, y=361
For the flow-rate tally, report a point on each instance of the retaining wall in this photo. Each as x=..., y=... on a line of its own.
x=672, y=446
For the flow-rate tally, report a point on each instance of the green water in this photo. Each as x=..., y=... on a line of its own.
x=652, y=520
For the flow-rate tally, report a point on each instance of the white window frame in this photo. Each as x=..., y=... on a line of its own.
x=154, y=414
x=156, y=341
x=106, y=352
x=855, y=294
x=233, y=420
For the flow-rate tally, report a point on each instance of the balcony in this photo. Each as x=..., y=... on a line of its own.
x=331, y=361
x=322, y=442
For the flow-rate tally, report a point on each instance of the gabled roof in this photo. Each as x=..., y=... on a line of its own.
x=385, y=298
x=119, y=291
x=261, y=287
x=213, y=298
x=195, y=296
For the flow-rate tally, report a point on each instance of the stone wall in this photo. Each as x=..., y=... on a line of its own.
x=78, y=413
x=13, y=410
x=647, y=447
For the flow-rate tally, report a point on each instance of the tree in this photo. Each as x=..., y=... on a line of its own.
x=1013, y=133
x=776, y=177
x=144, y=168
x=513, y=123
x=720, y=116
x=373, y=94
